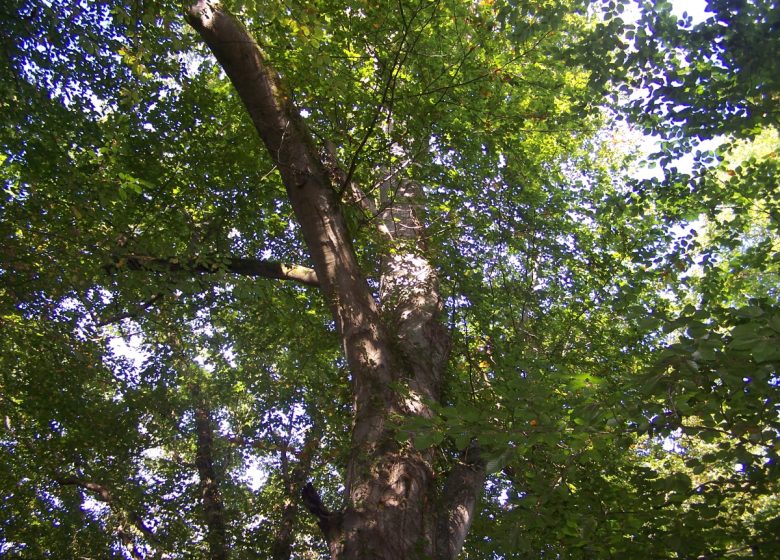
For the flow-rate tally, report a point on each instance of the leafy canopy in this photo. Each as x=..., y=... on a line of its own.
x=615, y=340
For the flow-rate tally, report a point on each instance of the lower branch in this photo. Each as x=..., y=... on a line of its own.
x=329, y=522
x=255, y=268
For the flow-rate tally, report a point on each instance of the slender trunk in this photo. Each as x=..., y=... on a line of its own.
x=396, y=351
x=294, y=479
x=213, y=508
x=281, y=549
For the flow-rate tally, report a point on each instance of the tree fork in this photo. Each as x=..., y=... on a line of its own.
x=391, y=512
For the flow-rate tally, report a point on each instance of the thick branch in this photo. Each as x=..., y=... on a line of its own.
x=101, y=492
x=329, y=522
x=290, y=145
x=255, y=268
x=458, y=503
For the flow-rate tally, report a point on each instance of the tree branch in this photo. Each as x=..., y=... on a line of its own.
x=291, y=147
x=351, y=192
x=317, y=208
x=388, y=90
x=329, y=522
x=256, y=268
x=459, y=499
x=103, y=494
x=143, y=307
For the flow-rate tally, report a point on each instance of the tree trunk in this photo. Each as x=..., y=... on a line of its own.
x=294, y=478
x=213, y=508
x=396, y=349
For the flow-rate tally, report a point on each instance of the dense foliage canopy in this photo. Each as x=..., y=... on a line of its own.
x=171, y=376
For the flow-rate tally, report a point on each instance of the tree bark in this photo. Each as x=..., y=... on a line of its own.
x=396, y=350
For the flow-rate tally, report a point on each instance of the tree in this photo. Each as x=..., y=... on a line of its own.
x=387, y=254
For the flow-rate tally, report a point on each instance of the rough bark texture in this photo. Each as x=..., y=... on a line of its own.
x=396, y=348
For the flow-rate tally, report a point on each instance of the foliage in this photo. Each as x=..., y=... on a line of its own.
x=615, y=340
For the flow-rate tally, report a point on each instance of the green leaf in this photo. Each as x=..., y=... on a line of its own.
x=766, y=351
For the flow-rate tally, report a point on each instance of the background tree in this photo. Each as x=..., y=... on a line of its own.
x=427, y=302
